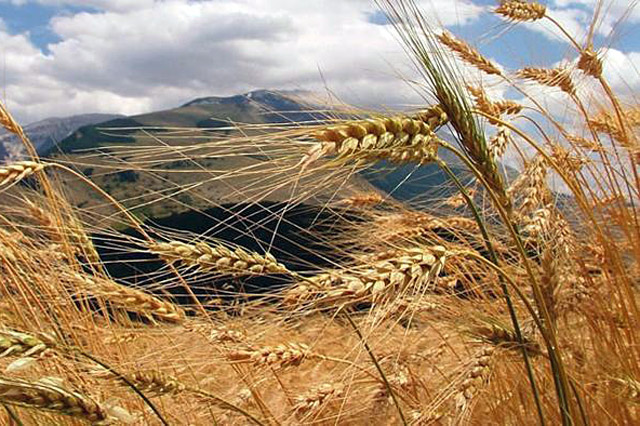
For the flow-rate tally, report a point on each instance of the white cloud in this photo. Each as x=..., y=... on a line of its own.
x=134, y=56
x=611, y=12
x=622, y=70
x=115, y=5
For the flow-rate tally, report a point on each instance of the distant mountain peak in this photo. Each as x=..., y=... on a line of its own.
x=44, y=134
x=261, y=96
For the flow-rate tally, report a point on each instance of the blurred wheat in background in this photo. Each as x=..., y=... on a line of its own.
x=499, y=301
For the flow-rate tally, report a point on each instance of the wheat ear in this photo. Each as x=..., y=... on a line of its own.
x=590, y=63
x=284, y=355
x=468, y=53
x=52, y=398
x=555, y=77
x=14, y=343
x=317, y=397
x=7, y=121
x=218, y=258
x=13, y=173
x=520, y=10
x=396, y=139
x=156, y=383
x=130, y=299
x=414, y=267
x=475, y=378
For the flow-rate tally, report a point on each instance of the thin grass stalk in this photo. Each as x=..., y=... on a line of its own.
x=128, y=382
x=505, y=290
x=226, y=404
x=377, y=365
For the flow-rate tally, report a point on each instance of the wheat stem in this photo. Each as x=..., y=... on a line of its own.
x=364, y=342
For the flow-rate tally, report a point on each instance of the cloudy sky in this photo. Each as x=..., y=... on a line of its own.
x=64, y=57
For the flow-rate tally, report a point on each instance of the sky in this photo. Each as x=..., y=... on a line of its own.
x=66, y=57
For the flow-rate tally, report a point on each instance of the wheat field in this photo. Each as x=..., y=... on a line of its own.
x=503, y=301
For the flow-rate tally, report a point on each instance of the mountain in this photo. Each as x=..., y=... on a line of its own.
x=154, y=189
x=46, y=133
x=260, y=106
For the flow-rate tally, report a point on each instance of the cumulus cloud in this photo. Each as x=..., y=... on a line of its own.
x=131, y=56
x=116, y=5
x=575, y=16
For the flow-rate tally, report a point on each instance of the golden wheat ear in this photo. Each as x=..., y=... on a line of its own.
x=13, y=173
x=520, y=10
x=52, y=398
x=218, y=258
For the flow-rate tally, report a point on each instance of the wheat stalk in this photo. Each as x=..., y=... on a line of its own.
x=468, y=53
x=396, y=139
x=130, y=299
x=13, y=173
x=414, y=267
x=52, y=398
x=283, y=355
x=556, y=77
x=317, y=397
x=520, y=10
x=218, y=258
x=14, y=343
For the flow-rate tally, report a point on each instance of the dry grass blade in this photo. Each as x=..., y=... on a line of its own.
x=51, y=398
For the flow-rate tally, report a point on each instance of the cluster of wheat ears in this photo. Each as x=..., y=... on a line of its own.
x=508, y=304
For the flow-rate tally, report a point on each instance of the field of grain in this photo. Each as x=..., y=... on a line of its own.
x=503, y=302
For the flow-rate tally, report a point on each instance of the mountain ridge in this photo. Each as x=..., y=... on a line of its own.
x=45, y=133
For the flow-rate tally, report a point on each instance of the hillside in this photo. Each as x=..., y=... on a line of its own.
x=261, y=106
x=186, y=127
x=45, y=134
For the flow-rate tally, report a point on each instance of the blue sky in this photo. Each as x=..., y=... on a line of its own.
x=64, y=57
